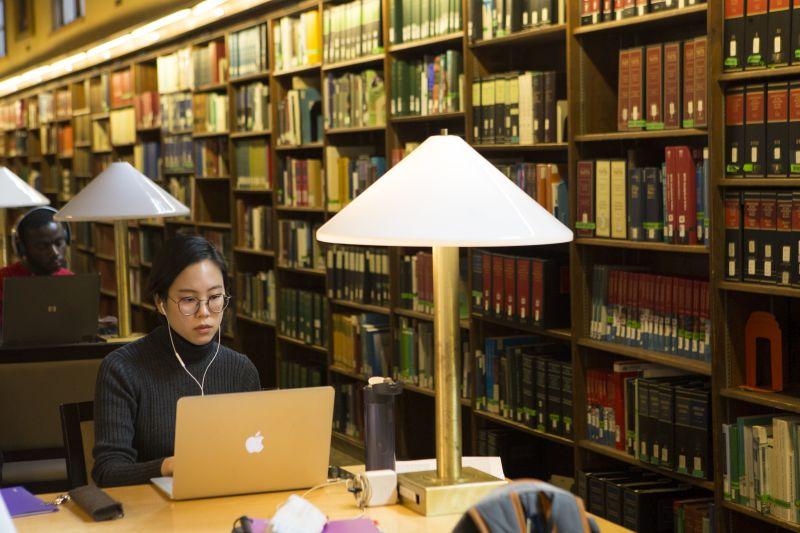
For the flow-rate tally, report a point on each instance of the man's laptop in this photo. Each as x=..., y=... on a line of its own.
x=50, y=309
x=250, y=442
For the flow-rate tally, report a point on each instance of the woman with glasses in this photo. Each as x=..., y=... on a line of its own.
x=138, y=385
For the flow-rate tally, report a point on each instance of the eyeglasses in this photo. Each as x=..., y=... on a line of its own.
x=189, y=305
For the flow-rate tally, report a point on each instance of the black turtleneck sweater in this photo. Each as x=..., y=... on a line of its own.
x=138, y=387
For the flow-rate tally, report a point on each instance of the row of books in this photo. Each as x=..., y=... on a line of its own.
x=209, y=63
x=248, y=51
x=349, y=170
x=174, y=71
x=297, y=40
x=221, y=239
x=596, y=11
x=147, y=158
x=182, y=190
x=663, y=86
x=298, y=246
x=544, y=182
x=300, y=183
x=211, y=157
x=667, y=314
x=358, y=274
x=521, y=290
x=178, y=153
x=355, y=99
x=760, y=469
x=251, y=104
x=303, y=315
x=362, y=343
x=416, y=284
x=761, y=236
x=46, y=107
x=257, y=295
x=123, y=126
x=99, y=94
x=300, y=117
x=519, y=108
x=415, y=357
x=176, y=112
x=295, y=375
x=147, y=109
x=82, y=162
x=254, y=226
x=620, y=200
x=641, y=500
x=253, y=161
x=634, y=406
x=498, y=18
x=759, y=35
x=14, y=114
x=122, y=87
x=527, y=380
x=433, y=84
x=210, y=112
x=348, y=409
x=82, y=125
x=410, y=20
x=352, y=30
x=101, y=135
x=762, y=130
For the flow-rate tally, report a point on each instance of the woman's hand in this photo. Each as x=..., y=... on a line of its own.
x=166, y=466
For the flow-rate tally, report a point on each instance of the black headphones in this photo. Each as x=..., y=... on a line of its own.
x=16, y=239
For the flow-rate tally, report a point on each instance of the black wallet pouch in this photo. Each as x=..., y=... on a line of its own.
x=97, y=504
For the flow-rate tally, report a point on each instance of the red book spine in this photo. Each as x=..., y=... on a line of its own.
x=585, y=223
x=700, y=82
x=636, y=89
x=487, y=283
x=509, y=268
x=655, y=83
x=537, y=282
x=623, y=113
x=672, y=85
x=688, y=84
x=497, y=284
x=523, y=289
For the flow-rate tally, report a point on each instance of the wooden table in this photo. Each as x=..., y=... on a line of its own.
x=147, y=510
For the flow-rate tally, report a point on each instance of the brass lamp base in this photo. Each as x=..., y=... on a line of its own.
x=118, y=338
x=426, y=494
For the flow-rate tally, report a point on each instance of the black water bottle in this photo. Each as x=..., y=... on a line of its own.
x=379, y=422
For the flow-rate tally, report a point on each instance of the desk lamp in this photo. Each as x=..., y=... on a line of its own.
x=118, y=194
x=14, y=192
x=444, y=195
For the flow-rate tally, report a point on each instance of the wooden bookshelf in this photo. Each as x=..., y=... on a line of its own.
x=363, y=61
x=587, y=57
x=640, y=135
x=670, y=360
x=643, y=245
x=647, y=22
x=623, y=457
x=531, y=36
x=431, y=42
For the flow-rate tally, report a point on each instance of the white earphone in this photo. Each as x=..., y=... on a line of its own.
x=202, y=383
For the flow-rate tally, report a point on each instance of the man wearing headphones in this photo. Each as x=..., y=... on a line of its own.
x=40, y=244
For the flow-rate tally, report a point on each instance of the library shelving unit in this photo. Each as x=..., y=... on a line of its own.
x=103, y=113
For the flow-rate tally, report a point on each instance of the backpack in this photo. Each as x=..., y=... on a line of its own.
x=524, y=506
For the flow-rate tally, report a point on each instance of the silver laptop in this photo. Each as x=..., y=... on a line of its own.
x=250, y=442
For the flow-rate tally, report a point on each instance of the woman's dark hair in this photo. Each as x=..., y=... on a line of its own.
x=176, y=254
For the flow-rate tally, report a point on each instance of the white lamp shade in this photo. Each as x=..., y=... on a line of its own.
x=121, y=192
x=444, y=194
x=14, y=192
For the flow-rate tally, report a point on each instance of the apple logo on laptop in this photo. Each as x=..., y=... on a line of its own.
x=255, y=443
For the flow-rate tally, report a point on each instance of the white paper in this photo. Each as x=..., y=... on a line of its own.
x=489, y=465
